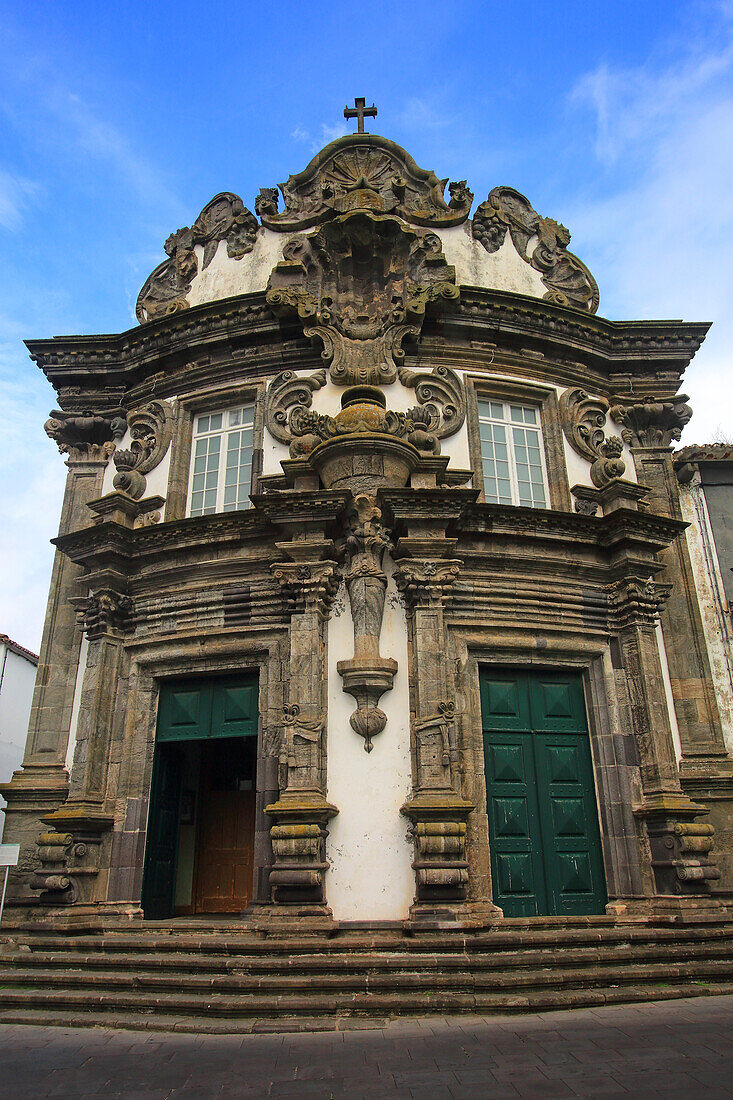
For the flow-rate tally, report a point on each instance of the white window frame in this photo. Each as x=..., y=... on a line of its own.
x=508, y=424
x=246, y=411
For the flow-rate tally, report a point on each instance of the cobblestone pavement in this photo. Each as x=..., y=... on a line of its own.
x=667, y=1049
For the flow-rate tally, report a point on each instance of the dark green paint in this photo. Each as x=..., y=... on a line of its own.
x=545, y=843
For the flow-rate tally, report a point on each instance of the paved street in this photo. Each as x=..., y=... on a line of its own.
x=669, y=1049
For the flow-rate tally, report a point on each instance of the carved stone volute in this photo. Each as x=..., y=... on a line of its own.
x=568, y=280
x=583, y=420
x=151, y=430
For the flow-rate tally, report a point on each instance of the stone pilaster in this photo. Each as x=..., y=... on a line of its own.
x=300, y=815
x=680, y=846
x=649, y=429
x=426, y=570
x=41, y=785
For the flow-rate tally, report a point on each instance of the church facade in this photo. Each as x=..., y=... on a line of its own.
x=372, y=598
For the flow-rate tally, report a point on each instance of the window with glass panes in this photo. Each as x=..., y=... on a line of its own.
x=221, y=461
x=512, y=454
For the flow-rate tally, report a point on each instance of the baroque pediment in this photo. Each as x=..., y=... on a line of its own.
x=363, y=172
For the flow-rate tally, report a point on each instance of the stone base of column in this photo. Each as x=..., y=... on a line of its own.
x=33, y=792
x=68, y=854
x=680, y=845
x=293, y=920
x=298, y=838
x=441, y=862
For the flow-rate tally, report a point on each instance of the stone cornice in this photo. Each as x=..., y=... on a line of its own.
x=103, y=366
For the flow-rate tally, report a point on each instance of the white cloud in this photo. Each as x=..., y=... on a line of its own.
x=16, y=194
x=660, y=241
x=301, y=135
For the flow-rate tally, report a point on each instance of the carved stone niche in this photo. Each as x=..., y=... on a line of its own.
x=151, y=430
x=360, y=285
x=367, y=172
x=541, y=242
x=225, y=218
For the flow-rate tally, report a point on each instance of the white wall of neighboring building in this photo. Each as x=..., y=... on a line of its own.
x=716, y=616
x=17, y=680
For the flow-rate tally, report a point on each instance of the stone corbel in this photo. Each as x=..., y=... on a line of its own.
x=653, y=424
x=151, y=431
x=86, y=437
x=106, y=612
x=425, y=580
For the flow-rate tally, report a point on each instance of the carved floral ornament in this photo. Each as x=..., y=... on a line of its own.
x=653, y=423
x=541, y=242
x=86, y=435
x=364, y=172
x=583, y=421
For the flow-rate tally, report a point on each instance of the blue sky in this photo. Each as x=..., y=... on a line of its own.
x=119, y=122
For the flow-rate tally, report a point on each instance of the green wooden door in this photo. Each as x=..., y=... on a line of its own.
x=188, y=710
x=545, y=843
x=161, y=850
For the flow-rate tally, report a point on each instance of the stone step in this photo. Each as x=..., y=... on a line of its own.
x=84, y=1006
x=145, y=941
x=363, y=962
x=418, y=983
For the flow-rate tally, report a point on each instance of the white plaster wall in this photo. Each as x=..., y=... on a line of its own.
x=225, y=277
x=713, y=605
x=501, y=270
x=74, y=724
x=16, y=696
x=371, y=877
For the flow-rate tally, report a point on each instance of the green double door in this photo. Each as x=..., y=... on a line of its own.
x=543, y=823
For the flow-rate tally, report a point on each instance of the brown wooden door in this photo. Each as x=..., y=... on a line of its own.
x=225, y=852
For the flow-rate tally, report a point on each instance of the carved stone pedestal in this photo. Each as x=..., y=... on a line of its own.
x=299, y=850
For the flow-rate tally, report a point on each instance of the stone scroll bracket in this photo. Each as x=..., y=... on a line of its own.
x=541, y=242
x=151, y=428
x=583, y=420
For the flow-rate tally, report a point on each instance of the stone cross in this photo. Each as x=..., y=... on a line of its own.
x=361, y=112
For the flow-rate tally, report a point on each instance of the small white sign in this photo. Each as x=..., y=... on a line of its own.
x=9, y=854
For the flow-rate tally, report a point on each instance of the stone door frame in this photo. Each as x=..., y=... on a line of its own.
x=613, y=754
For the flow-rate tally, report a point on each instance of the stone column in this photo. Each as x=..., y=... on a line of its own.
x=680, y=845
x=42, y=784
x=649, y=429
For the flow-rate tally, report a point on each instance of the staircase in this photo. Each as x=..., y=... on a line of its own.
x=223, y=978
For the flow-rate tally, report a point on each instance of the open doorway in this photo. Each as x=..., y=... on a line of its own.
x=201, y=824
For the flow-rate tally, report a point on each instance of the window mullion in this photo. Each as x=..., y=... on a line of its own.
x=514, y=479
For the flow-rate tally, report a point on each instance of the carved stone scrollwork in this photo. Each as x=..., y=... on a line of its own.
x=360, y=285
x=151, y=430
x=363, y=172
x=568, y=280
x=86, y=435
x=441, y=395
x=225, y=218
x=104, y=612
x=435, y=738
x=421, y=580
x=583, y=421
x=653, y=423
x=633, y=600
x=289, y=396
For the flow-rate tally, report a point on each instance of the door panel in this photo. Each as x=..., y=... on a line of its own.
x=184, y=713
x=545, y=842
x=513, y=824
x=570, y=835
x=234, y=709
x=226, y=851
x=162, y=843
